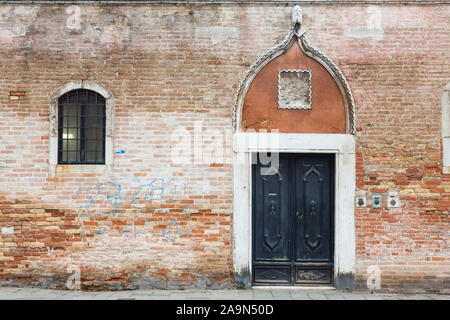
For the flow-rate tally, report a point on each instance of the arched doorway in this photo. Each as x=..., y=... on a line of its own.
x=294, y=106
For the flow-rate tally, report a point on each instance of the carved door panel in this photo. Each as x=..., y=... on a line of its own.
x=313, y=250
x=271, y=245
x=293, y=221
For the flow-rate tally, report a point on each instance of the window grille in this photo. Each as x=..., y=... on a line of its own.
x=81, y=128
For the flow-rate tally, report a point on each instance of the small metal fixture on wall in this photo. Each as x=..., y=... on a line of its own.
x=377, y=200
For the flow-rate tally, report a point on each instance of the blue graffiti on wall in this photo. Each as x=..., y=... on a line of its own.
x=104, y=201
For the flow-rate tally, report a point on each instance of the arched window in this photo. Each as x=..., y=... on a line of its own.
x=81, y=127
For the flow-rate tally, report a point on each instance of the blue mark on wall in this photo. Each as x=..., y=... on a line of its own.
x=104, y=204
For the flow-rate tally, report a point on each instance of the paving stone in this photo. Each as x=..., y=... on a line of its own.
x=299, y=294
x=253, y=294
x=262, y=295
x=281, y=294
x=414, y=297
x=105, y=295
x=334, y=296
x=375, y=297
x=440, y=297
x=353, y=296
x=317, y=296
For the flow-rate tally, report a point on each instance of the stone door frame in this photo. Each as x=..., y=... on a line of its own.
x=343, y=146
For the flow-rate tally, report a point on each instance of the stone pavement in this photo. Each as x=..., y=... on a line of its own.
x=9, y=293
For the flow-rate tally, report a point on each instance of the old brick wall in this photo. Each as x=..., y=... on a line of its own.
x=173, y=71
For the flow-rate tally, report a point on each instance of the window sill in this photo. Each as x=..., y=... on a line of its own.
x=62, y=169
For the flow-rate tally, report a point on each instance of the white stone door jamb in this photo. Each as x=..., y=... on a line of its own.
x=343, y=146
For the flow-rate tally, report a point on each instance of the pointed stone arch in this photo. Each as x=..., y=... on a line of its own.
x=296, y=35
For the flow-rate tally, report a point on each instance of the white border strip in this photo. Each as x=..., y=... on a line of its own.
x=446, y=130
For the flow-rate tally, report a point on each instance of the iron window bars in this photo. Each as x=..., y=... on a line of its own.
x=81, y=128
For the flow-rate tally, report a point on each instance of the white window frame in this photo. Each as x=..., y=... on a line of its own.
x=53, y=136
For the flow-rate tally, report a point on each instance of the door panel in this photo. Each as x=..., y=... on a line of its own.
x=313, y=203
x=273, y=274
x=293, y=220
x=316, y=274
x=271, y=211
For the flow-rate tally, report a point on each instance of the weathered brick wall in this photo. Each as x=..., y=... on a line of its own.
x=148, y=222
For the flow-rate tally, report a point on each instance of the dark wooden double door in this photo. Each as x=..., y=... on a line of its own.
x=292, y=221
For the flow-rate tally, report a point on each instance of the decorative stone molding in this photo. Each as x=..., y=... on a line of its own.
x=53, y=137
x=296, y=31
x=291, y=92
x=339, y=78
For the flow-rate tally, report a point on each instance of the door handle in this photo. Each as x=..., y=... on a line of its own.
x=299, y=215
